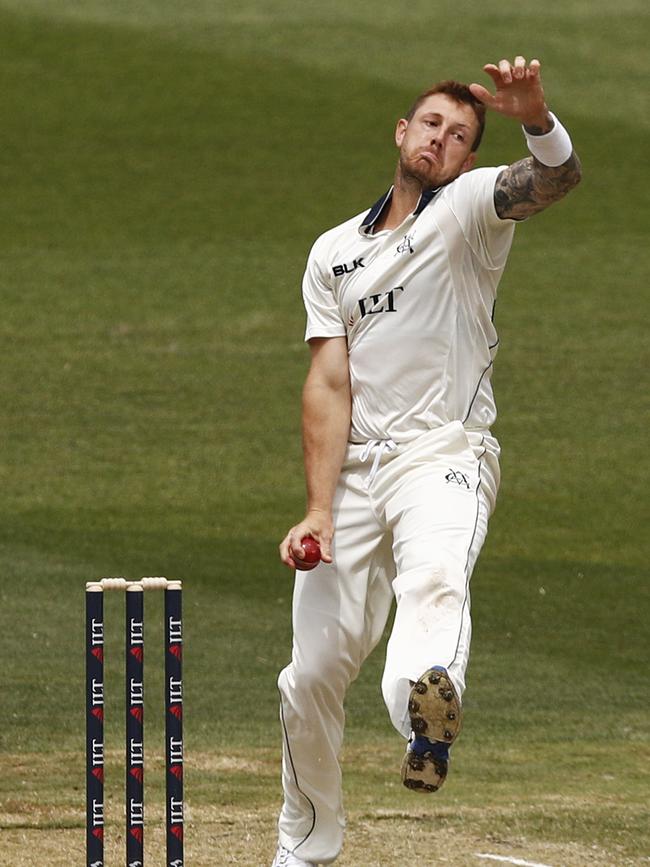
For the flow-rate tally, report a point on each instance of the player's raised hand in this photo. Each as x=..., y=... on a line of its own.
x=519, y=91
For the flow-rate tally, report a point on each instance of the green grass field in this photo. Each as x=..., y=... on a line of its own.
x=165, y=167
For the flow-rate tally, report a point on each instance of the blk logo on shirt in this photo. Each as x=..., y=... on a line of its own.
x=340, y=270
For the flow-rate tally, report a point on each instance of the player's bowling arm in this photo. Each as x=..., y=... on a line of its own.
x=529, y=185
x=326, y=410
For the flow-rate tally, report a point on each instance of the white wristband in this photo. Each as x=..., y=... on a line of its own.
x=553, y=148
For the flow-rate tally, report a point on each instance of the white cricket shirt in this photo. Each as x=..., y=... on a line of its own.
x=416, y=304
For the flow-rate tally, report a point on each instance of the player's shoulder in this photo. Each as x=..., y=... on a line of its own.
x=330, y=240
x=469, y=183
x=341, y=230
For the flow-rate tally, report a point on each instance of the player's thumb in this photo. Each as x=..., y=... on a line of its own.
x=325, y=542
x=482, y=93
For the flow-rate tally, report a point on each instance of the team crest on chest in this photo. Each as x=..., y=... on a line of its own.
x=406, y=244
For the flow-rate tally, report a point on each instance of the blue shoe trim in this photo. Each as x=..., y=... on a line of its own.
x=438, y=749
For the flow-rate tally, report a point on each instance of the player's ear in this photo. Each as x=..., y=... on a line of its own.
x=469, y=162
x=400, y=131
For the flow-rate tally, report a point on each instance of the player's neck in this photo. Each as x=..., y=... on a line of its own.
x=404, y=200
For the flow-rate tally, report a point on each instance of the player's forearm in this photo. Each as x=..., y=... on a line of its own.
x=325, y=432
x=530, y=185
x=527, y=186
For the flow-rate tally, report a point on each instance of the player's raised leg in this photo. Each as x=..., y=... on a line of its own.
x=439, y=515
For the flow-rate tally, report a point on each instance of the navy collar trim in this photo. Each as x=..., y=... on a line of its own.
x=378, y=208
x=375, y=212
x=425, y=198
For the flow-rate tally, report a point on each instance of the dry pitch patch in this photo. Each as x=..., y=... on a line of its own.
x=217, y=836
x=39, y=826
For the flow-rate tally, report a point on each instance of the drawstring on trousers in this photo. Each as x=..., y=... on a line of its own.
x=381, y=446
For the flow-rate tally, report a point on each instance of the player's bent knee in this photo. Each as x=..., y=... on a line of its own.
x=329, y=678
x=448, y=596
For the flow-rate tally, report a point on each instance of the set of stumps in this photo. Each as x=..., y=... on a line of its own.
x=134, y=791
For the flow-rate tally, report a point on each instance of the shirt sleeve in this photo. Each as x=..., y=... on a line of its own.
x=323, y=314
x=471, y=200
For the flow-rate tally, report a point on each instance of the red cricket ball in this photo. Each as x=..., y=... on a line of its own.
x=312, y=554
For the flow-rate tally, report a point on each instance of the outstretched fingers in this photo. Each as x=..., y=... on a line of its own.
x=504, y=72
x=518, y=90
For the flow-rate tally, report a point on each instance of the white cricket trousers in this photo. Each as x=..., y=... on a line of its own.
x=412, y=534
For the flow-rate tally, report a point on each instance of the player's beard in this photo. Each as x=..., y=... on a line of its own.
x=416, y=169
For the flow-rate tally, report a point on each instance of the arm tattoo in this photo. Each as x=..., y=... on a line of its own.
x=528, y=186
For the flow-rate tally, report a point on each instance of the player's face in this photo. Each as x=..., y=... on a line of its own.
x=435, y=145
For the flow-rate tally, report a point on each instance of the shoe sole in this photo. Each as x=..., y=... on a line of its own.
x=436, y=714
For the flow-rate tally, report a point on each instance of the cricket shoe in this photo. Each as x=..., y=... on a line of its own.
x=436, y=717
x=285, y=858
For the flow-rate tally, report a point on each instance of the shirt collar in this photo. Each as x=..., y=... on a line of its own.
x=377, y=209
